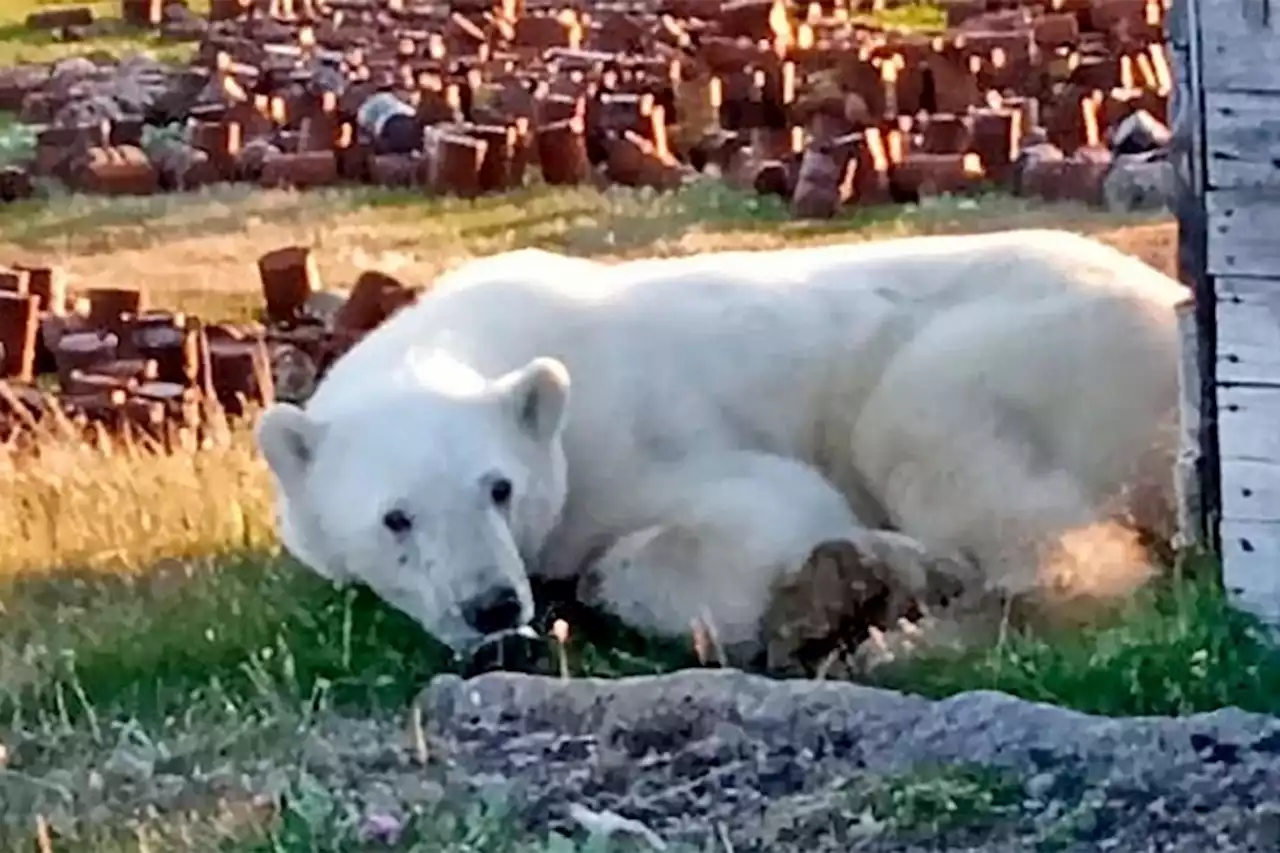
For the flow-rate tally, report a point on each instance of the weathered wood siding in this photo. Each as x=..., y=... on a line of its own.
x=1237, y=63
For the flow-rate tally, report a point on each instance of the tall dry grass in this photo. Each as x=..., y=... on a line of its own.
x=122, y=504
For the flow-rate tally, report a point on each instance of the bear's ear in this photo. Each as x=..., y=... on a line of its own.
x=287, y=438
x=538, y=397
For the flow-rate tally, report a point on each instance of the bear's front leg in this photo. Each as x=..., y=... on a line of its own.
x=849, y=591
x=716, y=538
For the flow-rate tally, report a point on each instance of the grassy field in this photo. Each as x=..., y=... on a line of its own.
x=144, y=600
x=17, y=44
x=107, y=36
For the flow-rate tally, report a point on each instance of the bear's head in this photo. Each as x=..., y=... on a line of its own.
x=435, y=495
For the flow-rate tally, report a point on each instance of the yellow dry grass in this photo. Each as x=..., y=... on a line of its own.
x=124, y=507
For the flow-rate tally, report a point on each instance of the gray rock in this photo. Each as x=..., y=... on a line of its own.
x=1139, y=133
x=1139, y=182
x=690, y=753
x=134, y=757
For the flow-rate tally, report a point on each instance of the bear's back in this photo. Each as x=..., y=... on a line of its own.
x=497, y=312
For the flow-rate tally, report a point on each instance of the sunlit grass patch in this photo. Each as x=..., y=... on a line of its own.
x=1180, y=646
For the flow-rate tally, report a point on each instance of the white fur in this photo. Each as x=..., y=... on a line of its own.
x=981, y=394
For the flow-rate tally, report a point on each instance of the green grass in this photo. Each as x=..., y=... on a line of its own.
x=236, y=630
x=940, y=801
x=19, y=45
x=583, y=220
x=313, y=822
x=226, y=658
x=108, y=35
x=909, y=16
x=1179, y=647
x=248, y=628
x=253, y=644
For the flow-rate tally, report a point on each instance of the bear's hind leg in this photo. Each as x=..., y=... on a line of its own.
x=710, y=538
x=976, y=487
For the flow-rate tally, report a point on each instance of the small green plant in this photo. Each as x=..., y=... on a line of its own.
x=312, y=820
x=934, y=801
x=17, y=140
x=910, y=16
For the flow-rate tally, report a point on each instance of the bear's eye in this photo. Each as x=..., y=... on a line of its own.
x=500, y=491
x=397, y=521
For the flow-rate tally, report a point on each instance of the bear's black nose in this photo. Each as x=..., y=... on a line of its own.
x=493, y=611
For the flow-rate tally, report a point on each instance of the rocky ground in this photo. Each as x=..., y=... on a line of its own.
x=722, y=760
x=712, y=759
x=767, y=765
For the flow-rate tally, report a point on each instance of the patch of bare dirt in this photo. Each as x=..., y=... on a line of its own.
x=1157, y=244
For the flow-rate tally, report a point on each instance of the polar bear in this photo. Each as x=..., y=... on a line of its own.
x=679, y=433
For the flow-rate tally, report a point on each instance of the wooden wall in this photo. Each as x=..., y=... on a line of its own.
x=1235, y=69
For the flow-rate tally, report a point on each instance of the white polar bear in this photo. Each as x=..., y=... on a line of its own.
x=982, y=395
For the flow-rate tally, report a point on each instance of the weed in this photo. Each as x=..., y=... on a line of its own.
x=936, y=801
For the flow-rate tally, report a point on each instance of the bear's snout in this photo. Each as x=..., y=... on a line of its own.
x=494, y=611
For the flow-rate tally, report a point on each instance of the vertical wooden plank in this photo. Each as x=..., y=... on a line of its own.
x=1188, y=151
x=1241, y=239
x=1252, y=549
x=1242, y=137
x=1250, y=476
x=1241, y=46
x=1257, y=13
x=1251, y=492
x=1187, y=469
x=1248, y=334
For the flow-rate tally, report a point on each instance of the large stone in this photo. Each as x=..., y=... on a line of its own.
x=694, y=752
x=1139, y=182
x=1139, y=133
